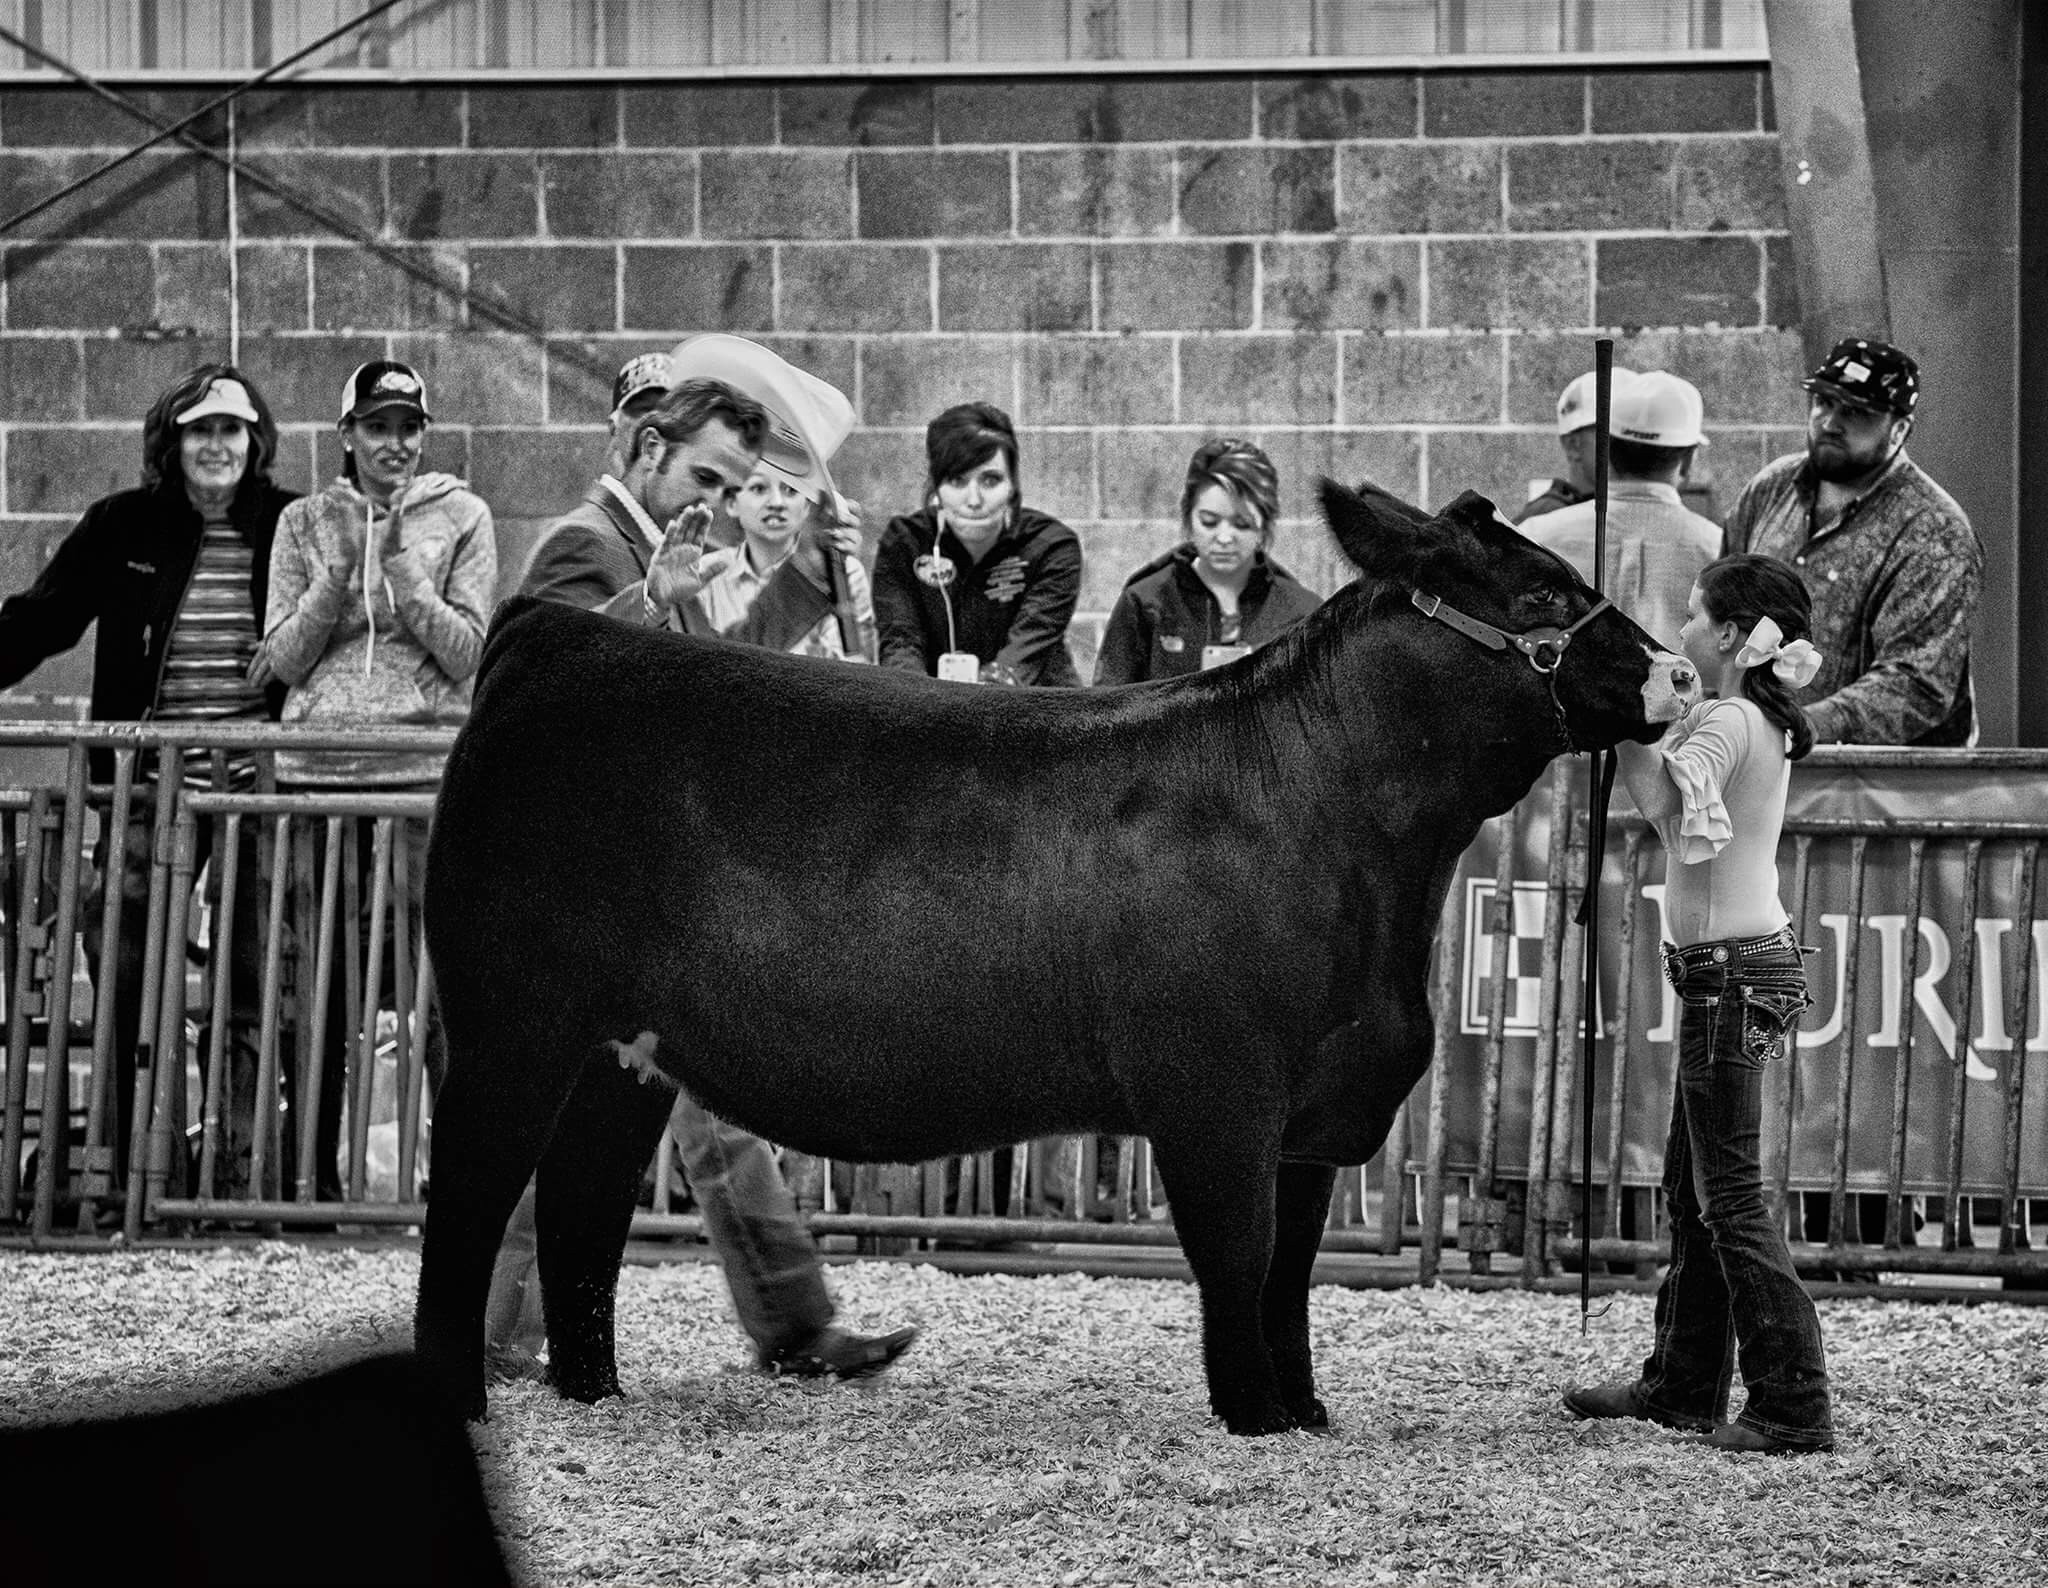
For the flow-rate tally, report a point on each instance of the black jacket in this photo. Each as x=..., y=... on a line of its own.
x=1165, y=616
x=127, y=564
x=1011, y=608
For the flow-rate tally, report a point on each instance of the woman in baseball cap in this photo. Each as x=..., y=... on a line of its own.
x=175, y=575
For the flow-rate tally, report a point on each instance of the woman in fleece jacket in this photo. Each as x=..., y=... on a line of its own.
x=380, y=588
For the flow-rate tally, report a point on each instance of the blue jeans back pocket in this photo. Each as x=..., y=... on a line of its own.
x=1768, y=1014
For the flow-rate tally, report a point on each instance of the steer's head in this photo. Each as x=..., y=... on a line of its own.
x=1525, y=621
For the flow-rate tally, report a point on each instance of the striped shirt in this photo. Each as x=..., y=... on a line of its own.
x=1655, y=550
x=212, y=642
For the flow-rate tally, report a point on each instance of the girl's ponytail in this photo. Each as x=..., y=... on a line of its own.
x=1744, y=588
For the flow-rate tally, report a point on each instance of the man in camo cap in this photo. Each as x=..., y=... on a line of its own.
x=1894, y=569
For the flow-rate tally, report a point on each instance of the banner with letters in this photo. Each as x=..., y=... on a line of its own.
x=1972, y=1047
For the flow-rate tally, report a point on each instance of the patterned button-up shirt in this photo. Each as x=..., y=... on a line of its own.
x=1895, y=584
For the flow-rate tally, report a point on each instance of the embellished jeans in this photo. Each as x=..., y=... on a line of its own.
x=1730, y=1295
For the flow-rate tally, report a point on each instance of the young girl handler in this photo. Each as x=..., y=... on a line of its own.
x=1714, y=788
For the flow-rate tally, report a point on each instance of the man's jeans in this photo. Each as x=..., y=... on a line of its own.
x=1730, y=1292
x=771, y=1264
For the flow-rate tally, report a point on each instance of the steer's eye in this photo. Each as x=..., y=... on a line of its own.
x=1543, y=595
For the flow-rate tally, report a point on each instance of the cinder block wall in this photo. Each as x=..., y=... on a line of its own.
x=1374, y=275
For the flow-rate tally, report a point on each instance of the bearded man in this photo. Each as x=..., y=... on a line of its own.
x=1894, y=569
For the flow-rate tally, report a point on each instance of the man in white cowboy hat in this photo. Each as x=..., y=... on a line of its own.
x=1656, y=547
x=634, y=548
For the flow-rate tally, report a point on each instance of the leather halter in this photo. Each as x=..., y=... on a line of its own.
x=1537, y=644
x=1544, y=646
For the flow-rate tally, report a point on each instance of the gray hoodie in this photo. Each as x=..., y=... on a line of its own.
x=376, y=640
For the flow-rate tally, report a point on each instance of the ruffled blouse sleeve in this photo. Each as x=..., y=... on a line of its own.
x=1702, y=751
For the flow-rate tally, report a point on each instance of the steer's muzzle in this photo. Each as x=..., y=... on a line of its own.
x=1672, y=686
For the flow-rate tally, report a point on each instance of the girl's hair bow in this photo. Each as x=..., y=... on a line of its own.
x=1794, y=661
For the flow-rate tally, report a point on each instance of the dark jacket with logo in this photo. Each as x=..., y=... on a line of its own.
x=1165, y=616
x=127, y=564
x=1011, y=608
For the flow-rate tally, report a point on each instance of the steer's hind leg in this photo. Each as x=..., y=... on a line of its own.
x=1301, y=1208
x=1221, y=1194
x=490, y=1122
x=583, y=1208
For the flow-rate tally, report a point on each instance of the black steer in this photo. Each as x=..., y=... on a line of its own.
x=882, y=918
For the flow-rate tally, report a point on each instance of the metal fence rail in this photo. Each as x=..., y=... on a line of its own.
x=297, y=1093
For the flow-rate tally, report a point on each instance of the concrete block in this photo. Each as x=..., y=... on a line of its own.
x=79, y=286
x=884, y=471
x=1058, y=472
x=1107, y=191
x=533, y=473
x=619, y=195
x=1202, y=109
x=1096, y=380
x=42, y=378
x=1781, y=283
x=1336, y=108
x=160, y=195
x=579, y=371
x=880, y=112
x=1498, y=464
x=1403, y=188
x=1579, y=186
x=1349, y=284
x=830, y=358
x=357, y=290
x=687, y=115
x=123, y=375
x=1240, y=381
x=64, y=469
x=776, y=193
x=296, y=465
x=26, y=546
x=1304, y=458
x=1239, y=191
x=1521, y=282
x=1453, y=379
x=563, y=287
x=480, y=378
x=728, y=287
x=1679, y=281
x=933, y=193
x=192, y=288
x=348, y=185
x=543, y=116
x=1728, y=184
x=465, y=195
x=1016, y=287
x=1692, y=99
x=908, y=380
x=1177, y=286
x=1141, y=475
x=341, y=116
x=67, y=117
x=1503, y=104
x=302, y=376
x=275, y=283
x=836, y=287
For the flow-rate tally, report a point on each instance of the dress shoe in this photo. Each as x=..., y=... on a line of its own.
x=1740, y=1438
x=1618, y=1399
x=836, y=1353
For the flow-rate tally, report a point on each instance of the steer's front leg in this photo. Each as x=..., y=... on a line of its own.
x=1222, y=1200
x=1302, y=1207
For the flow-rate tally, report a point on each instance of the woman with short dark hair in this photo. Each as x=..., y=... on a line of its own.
x=976, y=586
x=1217, y=594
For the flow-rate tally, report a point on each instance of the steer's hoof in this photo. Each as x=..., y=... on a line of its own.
x=1310, y=1415
x=1271, y=1420
x=589, y=1388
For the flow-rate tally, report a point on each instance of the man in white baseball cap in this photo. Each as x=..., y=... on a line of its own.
x=1656, y=546
x=1575, y=439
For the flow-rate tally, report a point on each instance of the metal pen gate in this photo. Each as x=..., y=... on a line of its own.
x=1481, y=1181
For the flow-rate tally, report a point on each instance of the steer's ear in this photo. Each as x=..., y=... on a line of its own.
x=1387, y=538
x=1478, y=516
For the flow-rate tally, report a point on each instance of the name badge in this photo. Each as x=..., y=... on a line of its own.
x=961, y=667
x=1217, y=655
